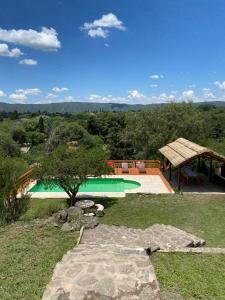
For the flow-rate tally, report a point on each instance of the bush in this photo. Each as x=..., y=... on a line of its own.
x=11, y=207
x=11, y=211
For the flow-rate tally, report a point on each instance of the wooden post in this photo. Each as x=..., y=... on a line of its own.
x=163, y=163
x=199, y=162
x=210, y=169
x=170, y=172
x=179, y=178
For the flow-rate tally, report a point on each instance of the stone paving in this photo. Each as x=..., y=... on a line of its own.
x=111, y=263
x=156, y=236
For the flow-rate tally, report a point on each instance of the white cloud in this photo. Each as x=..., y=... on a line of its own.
x=60, y=90
x=69, y=99
x=29, y=62
x=2, y=94
x=207, y=94
x=221, y=85
x=156, y=76
x=106, y=99
x=135, y=94
x=93, y=97
x=45, y=40
x=18, y=97
x=51, y=96
x=5, y=51
x=28, y=92
x=98, y=32
x=154, y=85
x=188, y=95
x=99, y=27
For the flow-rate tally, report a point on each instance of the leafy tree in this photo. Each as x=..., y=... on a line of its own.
x=14, y=115
x=71, y=167
x=19, y=135
x=41, y=126
x=35, y=138
x=8, y=147
x=11, y=207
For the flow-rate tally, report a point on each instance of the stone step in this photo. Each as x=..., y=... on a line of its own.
x=163, y=236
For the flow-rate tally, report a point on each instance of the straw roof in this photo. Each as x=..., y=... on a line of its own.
x=182, y=150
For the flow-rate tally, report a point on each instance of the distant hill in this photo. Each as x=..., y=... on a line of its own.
x=71, y=107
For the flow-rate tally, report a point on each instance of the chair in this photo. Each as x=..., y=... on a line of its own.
x=141, y=167
x=125, y=168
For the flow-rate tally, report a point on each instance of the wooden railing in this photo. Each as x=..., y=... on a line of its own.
x=133, y=163
x=24, y=180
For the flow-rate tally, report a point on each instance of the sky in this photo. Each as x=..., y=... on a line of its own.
x=123, y=51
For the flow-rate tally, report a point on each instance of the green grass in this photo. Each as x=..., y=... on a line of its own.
x=41, y=208
x=28, y=254
x=202, y=215
x=27, y=258
x=193, y=276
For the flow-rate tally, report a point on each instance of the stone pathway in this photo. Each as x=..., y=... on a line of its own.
x=111, y=263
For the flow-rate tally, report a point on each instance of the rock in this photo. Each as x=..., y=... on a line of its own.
x=74, y=211
x=67, y=227
x=90, y=222
x=100, y=210
x=77, y=224
x=89, y=214
x=60, y=217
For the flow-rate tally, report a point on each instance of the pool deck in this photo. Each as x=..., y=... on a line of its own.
x=150, y=184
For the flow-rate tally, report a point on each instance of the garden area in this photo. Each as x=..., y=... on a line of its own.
x=30, y=249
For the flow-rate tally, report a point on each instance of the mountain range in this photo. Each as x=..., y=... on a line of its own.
x=72, y=107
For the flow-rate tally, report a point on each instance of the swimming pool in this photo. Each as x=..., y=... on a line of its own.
x=91, y=185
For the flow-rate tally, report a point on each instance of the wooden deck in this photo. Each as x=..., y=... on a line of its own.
x=149, y=171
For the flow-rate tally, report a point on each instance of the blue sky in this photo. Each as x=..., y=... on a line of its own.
x=138, y=51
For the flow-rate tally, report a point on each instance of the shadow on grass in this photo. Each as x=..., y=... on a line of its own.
x=105, y=201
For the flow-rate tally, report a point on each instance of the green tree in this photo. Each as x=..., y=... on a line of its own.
x=11, y=207
x=41, y=126
x=70, y=167
x=8, y=147
x=14, y=115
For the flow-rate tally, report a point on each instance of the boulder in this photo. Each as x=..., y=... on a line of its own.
x=60, y=217
x=74, y=213
x=90, y=222
x=67, y=227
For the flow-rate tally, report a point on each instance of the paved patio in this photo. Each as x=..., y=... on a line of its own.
x=150, y=184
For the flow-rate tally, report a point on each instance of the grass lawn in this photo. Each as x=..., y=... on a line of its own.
x=28, y=254
x=202, y=215
x=193, y=276
x=27, y=258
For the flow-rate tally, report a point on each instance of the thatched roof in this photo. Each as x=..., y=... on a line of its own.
x=182, y=150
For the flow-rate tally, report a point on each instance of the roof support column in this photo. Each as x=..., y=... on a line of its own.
x=170, y=172
x=179, y=178
x=210, y=170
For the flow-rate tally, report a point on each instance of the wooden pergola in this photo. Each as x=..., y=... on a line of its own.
x=182, y=151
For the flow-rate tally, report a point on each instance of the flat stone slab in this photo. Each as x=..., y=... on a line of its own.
x=202, y=250
x=156, y=236
x=103, y=273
